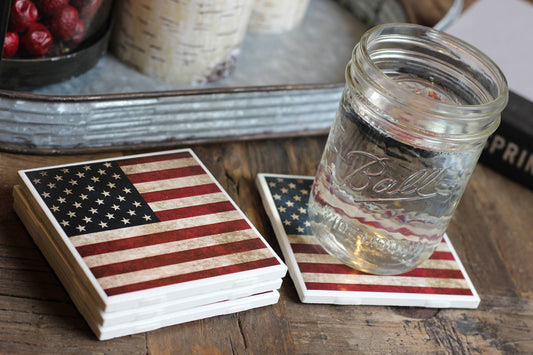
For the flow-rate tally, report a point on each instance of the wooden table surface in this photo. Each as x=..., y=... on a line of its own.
x=491, y=231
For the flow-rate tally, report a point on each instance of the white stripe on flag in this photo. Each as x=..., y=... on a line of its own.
x=328, y=259
x=123, y=233
x=159, y=165
x=443, y=247
x=302, y=239
x=188, y=201
x=183, y=268
x=384, y=280
x=311, y=240
x=175, y=183
x=316, y=258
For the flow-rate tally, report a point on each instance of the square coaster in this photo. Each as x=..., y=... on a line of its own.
x=144, y=229
x=108, y=325
x=440, y=282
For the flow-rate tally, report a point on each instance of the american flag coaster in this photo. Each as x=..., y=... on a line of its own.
x=440, y=282
x=145, y=229
x=107, y=325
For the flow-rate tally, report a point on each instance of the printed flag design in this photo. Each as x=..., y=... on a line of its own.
x=320, y=271
x=91, y=198
x=150, y=221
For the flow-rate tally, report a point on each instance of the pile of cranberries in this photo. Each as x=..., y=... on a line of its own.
x=39, y=27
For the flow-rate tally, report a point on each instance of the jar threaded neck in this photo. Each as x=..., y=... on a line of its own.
x=427, y=83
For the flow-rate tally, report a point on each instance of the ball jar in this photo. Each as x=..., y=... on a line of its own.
x=415, y=113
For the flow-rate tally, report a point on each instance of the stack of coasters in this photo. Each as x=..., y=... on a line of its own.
x=440, y=282
x=146, y=241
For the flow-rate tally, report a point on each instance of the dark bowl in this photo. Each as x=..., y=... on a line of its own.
x=25, y=74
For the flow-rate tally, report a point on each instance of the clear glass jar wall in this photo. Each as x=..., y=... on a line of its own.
x=416, y=110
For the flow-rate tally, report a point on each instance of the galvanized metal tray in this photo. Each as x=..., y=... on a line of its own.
x=283, y=85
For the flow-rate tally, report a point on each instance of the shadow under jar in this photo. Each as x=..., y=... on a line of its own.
x=417, y=108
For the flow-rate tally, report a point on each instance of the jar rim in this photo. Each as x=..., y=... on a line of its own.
x=446, y=42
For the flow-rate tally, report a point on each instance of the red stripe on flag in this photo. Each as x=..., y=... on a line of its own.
x=434, y=273
x=166, y=174
x=442, y=255
x=345, y=270
x=177, y=257
x=387, y=288
x=162, y=237
x=308, y=249
x=225, y=270
x=180, y=193
x=153, y=158
x=328, y=268
x=192, y=211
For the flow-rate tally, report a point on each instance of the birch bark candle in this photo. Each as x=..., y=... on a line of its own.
x=277, y=16
x=188, y=42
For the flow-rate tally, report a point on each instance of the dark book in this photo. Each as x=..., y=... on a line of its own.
x=510, y=149
x=502, y=30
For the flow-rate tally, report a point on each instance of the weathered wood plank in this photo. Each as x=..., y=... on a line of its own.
x=469, y=232
x=507, y=207
x=490, y=231
x=502, y=326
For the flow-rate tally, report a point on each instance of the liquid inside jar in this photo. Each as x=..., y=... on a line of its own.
x=380, y=203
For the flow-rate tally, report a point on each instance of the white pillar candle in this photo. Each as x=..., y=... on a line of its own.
x=184, y=42
x=277, y=16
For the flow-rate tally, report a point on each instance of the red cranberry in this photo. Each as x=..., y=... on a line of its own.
x=37, y=40
x=63, y=24
x=51, y=7
x=23, y=14
x=11, y=44
x=78, y=35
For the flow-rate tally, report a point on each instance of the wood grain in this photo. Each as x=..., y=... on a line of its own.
x=491, y=232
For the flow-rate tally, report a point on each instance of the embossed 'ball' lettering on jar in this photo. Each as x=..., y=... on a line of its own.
x=416, y=111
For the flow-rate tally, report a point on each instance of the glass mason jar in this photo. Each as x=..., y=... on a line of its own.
x=416, y=110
